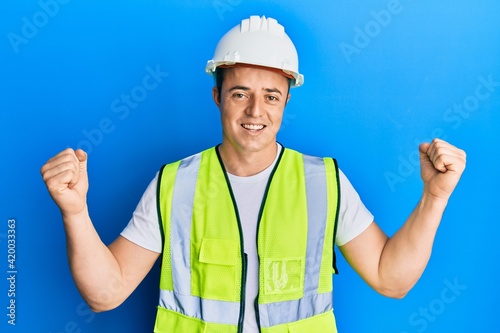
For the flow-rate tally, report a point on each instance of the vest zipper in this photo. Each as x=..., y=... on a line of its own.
x=242, y=292
x=257, y=313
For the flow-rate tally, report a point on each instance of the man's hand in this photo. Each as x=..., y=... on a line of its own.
x=65, y=176
x=441, y=166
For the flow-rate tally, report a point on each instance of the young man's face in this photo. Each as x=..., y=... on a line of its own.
x=252, y=101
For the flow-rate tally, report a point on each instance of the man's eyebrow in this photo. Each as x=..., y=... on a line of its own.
x=271, y=90
x=244, y=88
x=239, y=88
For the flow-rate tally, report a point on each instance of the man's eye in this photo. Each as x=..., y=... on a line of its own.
x=238, y=95
x=272, y=98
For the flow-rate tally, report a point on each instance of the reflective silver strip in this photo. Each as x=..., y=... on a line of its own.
x=207, y=310
x=317, y=206
x=180, y=223
x=286, y=312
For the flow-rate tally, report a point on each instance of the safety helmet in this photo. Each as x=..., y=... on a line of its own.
x=258, y=41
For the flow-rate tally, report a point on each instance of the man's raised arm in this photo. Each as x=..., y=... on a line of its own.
x=393, y=265
x=104, y=276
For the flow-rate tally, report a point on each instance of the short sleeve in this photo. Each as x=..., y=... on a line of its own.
x=143, y=228
x=353, y=217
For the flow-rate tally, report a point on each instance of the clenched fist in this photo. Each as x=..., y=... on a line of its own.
x=441, y=166
x=65, y=176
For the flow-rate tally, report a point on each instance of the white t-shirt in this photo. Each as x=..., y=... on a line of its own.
x=144, y=227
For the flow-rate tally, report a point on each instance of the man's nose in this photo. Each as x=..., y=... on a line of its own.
x=255, y=108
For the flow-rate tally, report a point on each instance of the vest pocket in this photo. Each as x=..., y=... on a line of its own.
x=217, y=273
x=283, y=277
x=169, y=321
x=219, y=251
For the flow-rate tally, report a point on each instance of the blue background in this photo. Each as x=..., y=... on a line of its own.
x=380, y=77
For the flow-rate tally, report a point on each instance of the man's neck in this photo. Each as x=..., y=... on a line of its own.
x=245, y=163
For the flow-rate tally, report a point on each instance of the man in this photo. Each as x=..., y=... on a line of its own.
x=246, y=229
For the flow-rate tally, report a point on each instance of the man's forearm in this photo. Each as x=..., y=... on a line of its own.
x=94, y=268
x=407, y=253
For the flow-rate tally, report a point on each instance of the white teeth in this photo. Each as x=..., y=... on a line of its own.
x=253, y=127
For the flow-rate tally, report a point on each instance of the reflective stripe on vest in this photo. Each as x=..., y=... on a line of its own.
x=204, y=267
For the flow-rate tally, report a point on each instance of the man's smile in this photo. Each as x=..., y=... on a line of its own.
x=252, y=127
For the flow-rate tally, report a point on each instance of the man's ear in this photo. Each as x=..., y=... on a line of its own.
x=288, y=98
x=216, y=96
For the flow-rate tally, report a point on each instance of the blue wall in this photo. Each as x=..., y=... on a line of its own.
x=380, y=77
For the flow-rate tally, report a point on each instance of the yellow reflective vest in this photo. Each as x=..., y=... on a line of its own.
x=203, y=271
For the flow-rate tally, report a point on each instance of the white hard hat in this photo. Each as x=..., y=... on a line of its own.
x=258, y=41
